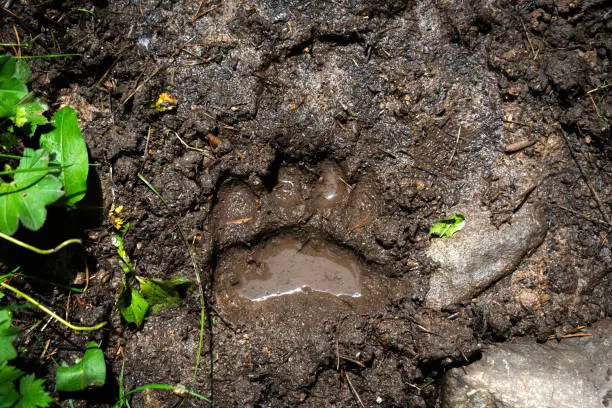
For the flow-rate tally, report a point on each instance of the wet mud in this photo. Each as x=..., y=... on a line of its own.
x=312, y=147
x=285, y=265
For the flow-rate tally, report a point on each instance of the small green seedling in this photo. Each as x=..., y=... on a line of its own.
x=134, y=305
x=164, y=293
x=88, y=372
x=447, y=227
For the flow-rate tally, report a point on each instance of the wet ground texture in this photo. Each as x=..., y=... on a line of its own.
x=328, y=137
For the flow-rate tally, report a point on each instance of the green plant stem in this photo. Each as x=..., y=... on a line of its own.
x=38, y=250
x=10, y=156
x=22, y=45
x=173, y=388
x=47, y=56
x=197, y=276
x=40, y=170
x=49, y=312
x=83, y=10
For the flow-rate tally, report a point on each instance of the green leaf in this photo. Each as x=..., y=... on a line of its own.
x=10, y=67
x=9, y=373
x=133, y=307
x=88, y=372
x=11, y=92
x=118, y=242
x=447, y=227
x=32, y=393
x=7, y=336
x=29, y=115
x=8, y=394
x=159, y=293
x=27, y=196
x=15, y=103
x=67, y=146
x=13, y=76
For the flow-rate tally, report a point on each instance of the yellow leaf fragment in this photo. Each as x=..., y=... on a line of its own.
x=114, y=215
x=165, y=102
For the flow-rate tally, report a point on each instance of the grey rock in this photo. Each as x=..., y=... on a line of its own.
x=575, y=372
x=479, y=255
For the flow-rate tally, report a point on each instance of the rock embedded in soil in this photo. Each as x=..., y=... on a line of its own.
x=572, y=373
x=479, y=255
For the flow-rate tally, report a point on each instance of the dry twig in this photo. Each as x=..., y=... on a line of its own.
x=604, y=214
x=455, y=148
x=353, y=390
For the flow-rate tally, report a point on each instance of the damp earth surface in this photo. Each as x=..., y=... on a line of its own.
x=312, y=147
x=285, y=265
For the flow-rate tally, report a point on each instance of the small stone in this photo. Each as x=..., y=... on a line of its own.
x=529, y=300
x=481, y=254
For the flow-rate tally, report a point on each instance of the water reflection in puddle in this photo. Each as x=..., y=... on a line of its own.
x=330, y=189
x=286, y=265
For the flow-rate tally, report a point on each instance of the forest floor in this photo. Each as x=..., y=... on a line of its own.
x=338, y=131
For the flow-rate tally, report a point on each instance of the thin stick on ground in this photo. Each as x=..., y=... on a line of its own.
x=17, y=50
x=528, y=39
x=146, y=151
x=583, y=215
x=138, y=87
x=195, y=15
x=203, y=13
x=455, y=148
x=338, y=341
x=352, y=360
x=353, y=390
x=604, y=214
x=338, y=346
x=205, y=152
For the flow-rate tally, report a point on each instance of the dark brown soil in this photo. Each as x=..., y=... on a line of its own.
x=412, y=104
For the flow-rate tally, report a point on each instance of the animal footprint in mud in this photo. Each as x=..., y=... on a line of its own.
x=290, y=261
x=286, y=264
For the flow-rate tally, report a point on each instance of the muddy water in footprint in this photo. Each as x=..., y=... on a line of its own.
x=287, y=265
